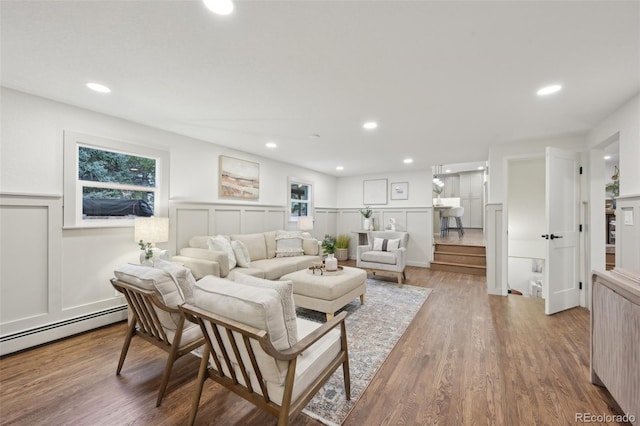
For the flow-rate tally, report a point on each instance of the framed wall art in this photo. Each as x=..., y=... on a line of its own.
x=374, y=191
x=238, y=179
x=400, y=191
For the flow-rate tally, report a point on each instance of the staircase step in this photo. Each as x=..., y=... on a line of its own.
x=459, y=268
x=461, y=258
x=459, y=249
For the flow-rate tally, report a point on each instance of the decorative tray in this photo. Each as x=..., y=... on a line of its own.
x=319, y=267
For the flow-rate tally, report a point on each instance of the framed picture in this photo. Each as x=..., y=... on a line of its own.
x=374, y=191
x=400, y=191
x=238, y=178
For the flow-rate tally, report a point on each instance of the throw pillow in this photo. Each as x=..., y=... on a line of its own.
x=185, y=278
x=220, y=243
x=288, y=244
x=240, y=250
x=383, y=244
x=285, y=290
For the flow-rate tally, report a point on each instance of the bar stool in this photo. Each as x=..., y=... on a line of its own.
x=457, y=213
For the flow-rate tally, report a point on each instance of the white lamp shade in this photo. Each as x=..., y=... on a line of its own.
x=305, y=223
x=151, y=229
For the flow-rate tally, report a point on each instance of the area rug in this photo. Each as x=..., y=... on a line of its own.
x=373, y=329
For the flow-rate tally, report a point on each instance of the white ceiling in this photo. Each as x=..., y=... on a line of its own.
x=444, y=80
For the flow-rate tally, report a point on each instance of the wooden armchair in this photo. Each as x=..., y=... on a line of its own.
x=253, y=364
x=153, y=297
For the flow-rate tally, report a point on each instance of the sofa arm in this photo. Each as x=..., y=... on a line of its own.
x=199, y=267
x=219, y=257
x=362, y=249
x=401, y=254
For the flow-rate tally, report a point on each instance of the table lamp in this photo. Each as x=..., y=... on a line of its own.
x=147, y=232
x=305, y=223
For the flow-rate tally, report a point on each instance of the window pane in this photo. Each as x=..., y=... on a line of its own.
x=97, y=165
x=299, y=209
x=101, y=202
x=299, y=192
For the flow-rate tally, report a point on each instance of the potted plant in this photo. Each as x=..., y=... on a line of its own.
x=342, y=246
x=329, y=247
x=438, y=190
x=367, y=220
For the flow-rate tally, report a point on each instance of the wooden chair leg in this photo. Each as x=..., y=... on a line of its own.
x=202, y=376
x=345, y=365
x=167, y=371
x=399, y=279
x=125, y=347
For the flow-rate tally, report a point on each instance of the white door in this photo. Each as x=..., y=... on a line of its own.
x=561, y=287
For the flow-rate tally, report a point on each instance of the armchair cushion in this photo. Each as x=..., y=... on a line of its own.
x=285, y=290
x=259, y=308
x=164, y=284
x=378, y=256
x=185, y=278
x=383, y=244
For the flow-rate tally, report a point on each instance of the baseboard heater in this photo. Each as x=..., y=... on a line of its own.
x=49, y=332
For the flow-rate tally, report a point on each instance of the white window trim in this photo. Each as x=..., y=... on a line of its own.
x=291, y=180
x=72, y=208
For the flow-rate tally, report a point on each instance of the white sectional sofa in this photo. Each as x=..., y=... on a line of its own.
x=262, y=249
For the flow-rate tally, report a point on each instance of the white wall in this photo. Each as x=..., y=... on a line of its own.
x=31, y=162
x=626, y=123
x=31, y=153
x=624, y=126
x=499, y=154
x=350, y=189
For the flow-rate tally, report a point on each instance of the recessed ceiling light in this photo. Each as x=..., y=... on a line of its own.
x=271, y=145
x=607, y=157
x=480, y=168
x=219, y=7
x=314, y=136
x=408, y=160
x=549, y=90
x=370, y=125
x=448, y=171
x=339, y=167
x=98, y=87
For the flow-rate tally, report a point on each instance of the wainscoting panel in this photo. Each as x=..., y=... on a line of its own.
x=25, y=255
x=229, y=220
x=496, y=244
x=325, y=223
x=419, y=249
x=190, y=219
x=628, y=232
x=190, y=222
x=49, y=286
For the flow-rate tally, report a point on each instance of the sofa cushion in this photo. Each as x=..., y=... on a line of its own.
x=183, y=275
x=200, y=241
x=376, y=256
x=285, y=290
x=162, y=282
x=276, y=267
x=310, y=246
x=220, y=257
x=220, y=243
x=254, y=272
x=288, y=244
x=270, y=242
x=255, y=244
x=243, y=258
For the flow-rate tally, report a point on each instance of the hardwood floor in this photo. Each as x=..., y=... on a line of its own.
x=467, y=358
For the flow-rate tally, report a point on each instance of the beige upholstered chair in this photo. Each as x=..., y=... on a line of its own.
x=153, y=296
x=385, y=252
x=274, y=370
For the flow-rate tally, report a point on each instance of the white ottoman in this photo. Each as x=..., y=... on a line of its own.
x=329, y=292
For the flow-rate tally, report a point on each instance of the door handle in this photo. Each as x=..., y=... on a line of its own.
x=545, y=236
x=554, y=236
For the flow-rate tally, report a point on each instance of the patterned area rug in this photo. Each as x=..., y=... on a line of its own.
x=373, y=330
